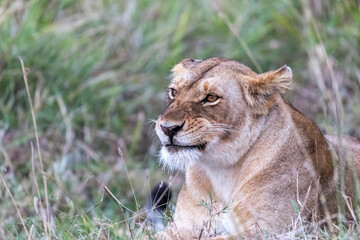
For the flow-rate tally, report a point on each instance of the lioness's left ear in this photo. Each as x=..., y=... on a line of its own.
x=265, y=85
x=275, y=81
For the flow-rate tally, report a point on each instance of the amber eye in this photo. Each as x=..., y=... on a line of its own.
x=210, y=98
x=172, y=93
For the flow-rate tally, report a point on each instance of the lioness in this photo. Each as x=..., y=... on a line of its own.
x=245, y=149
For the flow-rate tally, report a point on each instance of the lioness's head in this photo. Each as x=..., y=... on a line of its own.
x=215, y=109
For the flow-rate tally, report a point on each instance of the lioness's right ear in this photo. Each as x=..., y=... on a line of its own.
x=261, y=88
x=183, y=67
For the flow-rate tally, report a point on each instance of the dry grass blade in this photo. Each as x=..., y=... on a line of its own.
x=42, y=214
x=121, y=155
x=17, y=209
x=38, y=145
x=243, y=44
x=120, y=205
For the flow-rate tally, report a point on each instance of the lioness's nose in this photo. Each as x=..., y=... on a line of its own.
x=171, y=130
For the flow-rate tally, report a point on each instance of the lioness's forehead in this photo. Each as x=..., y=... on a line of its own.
x=190, y=71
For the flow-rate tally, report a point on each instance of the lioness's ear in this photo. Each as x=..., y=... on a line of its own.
x=184, y=66
x=275, y=81
x=265, y=85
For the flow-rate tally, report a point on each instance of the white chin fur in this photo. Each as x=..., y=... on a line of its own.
x=178, y=160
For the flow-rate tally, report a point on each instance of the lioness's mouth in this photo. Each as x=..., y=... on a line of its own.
x=173, y=147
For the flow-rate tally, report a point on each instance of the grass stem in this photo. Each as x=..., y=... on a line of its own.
x=38, y=146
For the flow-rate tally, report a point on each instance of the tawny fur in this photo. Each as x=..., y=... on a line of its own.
x=262, y=156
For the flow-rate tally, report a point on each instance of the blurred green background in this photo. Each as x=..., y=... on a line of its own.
x=98, y=72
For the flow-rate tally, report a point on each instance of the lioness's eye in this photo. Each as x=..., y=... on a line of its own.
x=172, y=93
x=210, y=98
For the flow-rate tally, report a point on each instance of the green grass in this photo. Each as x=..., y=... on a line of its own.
x=97, y=71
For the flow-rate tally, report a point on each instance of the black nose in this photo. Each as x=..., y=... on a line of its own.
x=171, y=131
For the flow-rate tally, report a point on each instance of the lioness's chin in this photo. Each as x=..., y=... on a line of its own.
x=179, y=157
x=175, y=148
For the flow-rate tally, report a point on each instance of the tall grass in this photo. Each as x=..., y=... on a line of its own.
x=97, y=70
